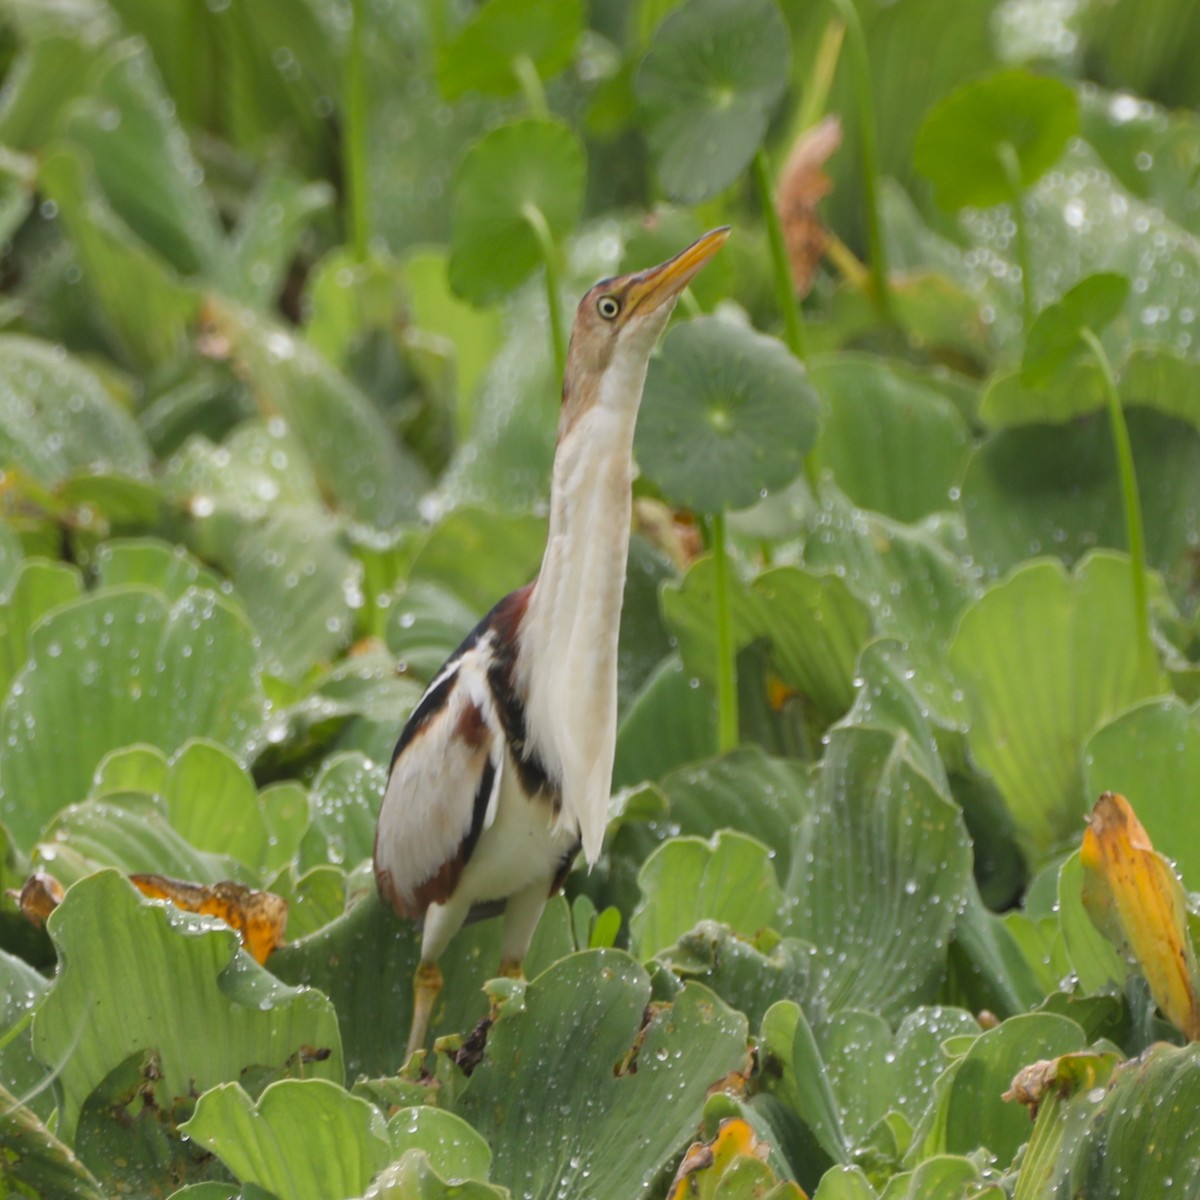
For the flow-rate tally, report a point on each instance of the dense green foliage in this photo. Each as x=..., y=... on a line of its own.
x=285, y=294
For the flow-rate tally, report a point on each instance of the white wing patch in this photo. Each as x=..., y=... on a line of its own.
x=443, y=791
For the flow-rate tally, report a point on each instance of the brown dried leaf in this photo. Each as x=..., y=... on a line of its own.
x=39, y=896
x=802, y=185
x=260, y=918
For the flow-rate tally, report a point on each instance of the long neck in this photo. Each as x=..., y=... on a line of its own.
x=568, y=653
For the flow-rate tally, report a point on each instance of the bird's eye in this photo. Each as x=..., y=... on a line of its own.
x=608, y=307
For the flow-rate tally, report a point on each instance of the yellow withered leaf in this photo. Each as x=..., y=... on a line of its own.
x=1133, y=896
x=735, y=1149
x=260, y=918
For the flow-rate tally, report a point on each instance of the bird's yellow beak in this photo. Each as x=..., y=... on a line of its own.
x=656, y=286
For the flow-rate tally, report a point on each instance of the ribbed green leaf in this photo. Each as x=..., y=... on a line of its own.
x=565, y=1054
x=141, y=975
x=304, y=1139
x=115, y=668
x=879, y=874
x=728, y=879
x=1045, y=657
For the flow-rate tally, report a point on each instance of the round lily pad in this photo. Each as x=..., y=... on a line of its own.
x=519, y=175
x=502, y=32
x=728, y=414
x=707, y=87
x=960, y=145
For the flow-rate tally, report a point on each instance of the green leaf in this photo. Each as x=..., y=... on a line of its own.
x=350, y=449
x=707, y=87
x=264, y=243
x=913, y=585
x=1151, y=756
x=480, y=555
x=34, y=1158
x=37, y=587
x=893, y=443
x=483, y=55
x=1156, y=377
x=144, y=164
x=415, y=1178
x=119, y=667
x=1151, y=150
x=57, y=419
x=18, y=175
x=129, y=831
x=304, y=1139
x=212, y=802
x=11, y=555
x=564, y=1056
x=728, y=415
x=728, y=879
x=811, y=623
x=21, y=988
x=473, y=334
x=795, y=1072
x=748, y=976
x=455, y=1150
x=144, y=306
x=711, y=796
x=140, y=975
x=1128, y=1138
x=128, y=1139
x=671, y=721
x=844, y=1183
x=345, y=800
x=262, y=466
x=425, y=625
x=1053, y=489
x=522, y=175
x=960, y=145
x=156, y=564
x=296, y=578
x=1098, y=965
x=1045, y=657
x=1056, y=334
x=879, y=873
x=970, y=1112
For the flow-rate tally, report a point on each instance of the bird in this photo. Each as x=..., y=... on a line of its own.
x=503, y=770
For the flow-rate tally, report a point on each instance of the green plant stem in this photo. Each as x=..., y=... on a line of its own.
x=354, y=144
x=727, y=702
x=531, y=85
x=1134, y=529
x=818, y=85
x=784, y=289
x=861, y=65
x=1012, y=171
x=552, y=260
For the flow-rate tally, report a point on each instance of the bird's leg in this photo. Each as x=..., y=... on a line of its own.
x=442, y=922
x=521, y=915
x=427, y=984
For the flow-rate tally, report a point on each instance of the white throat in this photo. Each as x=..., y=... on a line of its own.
x=568, y=653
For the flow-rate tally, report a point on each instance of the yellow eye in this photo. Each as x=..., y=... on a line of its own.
x=608, y=307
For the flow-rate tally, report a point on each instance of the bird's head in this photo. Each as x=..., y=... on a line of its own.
x=616, y=326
